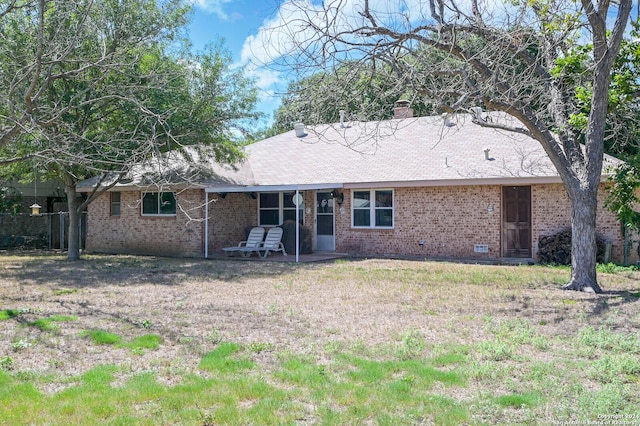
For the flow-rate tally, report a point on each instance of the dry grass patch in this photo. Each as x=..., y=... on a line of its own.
x=471, y=343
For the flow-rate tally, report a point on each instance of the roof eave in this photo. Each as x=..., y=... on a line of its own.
x=150, y=188
x=274, y=188
x=457, y=182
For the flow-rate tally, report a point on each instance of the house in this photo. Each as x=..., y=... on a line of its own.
x=436, y=187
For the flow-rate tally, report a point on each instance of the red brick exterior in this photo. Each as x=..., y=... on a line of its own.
x=179, y=235
x=552, y=213
x=449, y=221
x=230, y=218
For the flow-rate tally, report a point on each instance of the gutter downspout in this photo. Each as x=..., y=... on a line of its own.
x=297, y=229
x=206, y=225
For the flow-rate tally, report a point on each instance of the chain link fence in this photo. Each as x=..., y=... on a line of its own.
x=46, y=231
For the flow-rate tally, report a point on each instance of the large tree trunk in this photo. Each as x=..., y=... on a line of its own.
x=583, y=242
x=73, y=252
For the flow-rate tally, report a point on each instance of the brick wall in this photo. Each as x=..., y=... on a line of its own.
x=551, y=213
x=179, y=235
x=451, y=220
x=448, y=220
x=229, y=219
x=182, y=235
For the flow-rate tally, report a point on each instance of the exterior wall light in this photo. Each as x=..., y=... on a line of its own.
x=337, y=196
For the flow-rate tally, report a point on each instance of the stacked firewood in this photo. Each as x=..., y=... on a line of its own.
x=556, y=248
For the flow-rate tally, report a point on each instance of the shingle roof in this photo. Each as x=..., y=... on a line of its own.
x=402, y=152
x=422, y=151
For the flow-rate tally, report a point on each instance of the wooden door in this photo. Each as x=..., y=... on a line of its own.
x=516, y=221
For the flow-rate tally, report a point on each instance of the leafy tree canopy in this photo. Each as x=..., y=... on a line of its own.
x=95, y=88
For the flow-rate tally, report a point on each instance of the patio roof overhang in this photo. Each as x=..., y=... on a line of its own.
x=273, y=188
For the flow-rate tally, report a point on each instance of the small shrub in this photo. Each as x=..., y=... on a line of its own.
x=215, y=336
x=616, y=368
x=541, y=343
x=258, y=347
x=413, y=345
x=610, y=398
x=606, y=339
x=612, y=268
x=497, y=351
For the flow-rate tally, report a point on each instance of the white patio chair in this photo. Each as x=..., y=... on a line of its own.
x=253, y=241
x=271, y=243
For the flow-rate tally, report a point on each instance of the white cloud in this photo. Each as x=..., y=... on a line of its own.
x=275, y=36
x=287, y=45
x=268, y=81
x=264, y=54
x=265, y=78
x=288, y=31
x=213, y=6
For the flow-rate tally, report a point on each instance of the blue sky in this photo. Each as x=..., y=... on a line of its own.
x=237, y=21
x=233, y=20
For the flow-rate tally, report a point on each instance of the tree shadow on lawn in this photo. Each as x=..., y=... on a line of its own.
x=613, y=307
x=613, y=299
x=95, y=271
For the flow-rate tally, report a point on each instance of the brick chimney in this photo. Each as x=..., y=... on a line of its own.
x=402, y=110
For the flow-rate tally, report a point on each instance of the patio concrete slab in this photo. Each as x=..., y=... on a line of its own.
x=318, y=256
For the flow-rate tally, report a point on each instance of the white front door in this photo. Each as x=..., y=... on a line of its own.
x=325, y=224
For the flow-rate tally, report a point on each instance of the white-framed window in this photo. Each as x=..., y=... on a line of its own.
x=274, y=208
x=115, y=204
x=159, y=204
x=372, y=208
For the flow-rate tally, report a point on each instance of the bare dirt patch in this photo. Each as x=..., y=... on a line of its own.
x=194, y=304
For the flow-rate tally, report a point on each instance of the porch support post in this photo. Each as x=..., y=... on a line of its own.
x=297, y=229
x=206, y=224
x=62, y=226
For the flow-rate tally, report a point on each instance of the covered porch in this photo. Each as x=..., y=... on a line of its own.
x=309, y=209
